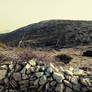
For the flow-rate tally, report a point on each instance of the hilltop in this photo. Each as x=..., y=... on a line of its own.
x=51, y=33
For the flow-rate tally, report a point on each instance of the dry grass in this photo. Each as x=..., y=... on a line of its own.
x=18, y=55
x=29, y=53
x=3, y=45
x=44, y=56
x=3, y=58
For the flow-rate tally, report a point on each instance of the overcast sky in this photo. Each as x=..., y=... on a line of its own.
x=18, y=13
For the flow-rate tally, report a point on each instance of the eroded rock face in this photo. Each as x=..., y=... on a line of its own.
x=36, y=77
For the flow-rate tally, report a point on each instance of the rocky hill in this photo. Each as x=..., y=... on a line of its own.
x=52, y=33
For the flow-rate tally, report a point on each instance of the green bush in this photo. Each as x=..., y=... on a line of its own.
x=64, y=58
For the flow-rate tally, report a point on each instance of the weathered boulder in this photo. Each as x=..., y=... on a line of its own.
x=32, y=62
x=67, y=89
x=43, y=80
x=3, y=74
x=17, y=76
x=39, y=74
x=67, y=83
x=59, y=88
x=53, y=67
x=58, y=77
x=78, y=72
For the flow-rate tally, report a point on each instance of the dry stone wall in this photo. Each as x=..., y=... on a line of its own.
x=34, y=76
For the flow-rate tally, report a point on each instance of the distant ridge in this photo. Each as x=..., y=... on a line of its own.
x=51, y=33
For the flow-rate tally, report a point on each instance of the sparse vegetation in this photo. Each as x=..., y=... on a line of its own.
x=51, y=33
x=3, y=58
x=88, y=53
x=3, y=45
x=29, y=53
x=64, y=58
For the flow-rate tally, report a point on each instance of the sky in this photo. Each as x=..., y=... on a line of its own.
x=18, y=13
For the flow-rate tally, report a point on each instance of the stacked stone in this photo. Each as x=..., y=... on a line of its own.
x=34, y=76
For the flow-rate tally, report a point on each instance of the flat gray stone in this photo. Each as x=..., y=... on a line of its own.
x=71, y=69
x=17, y=76
x=49, y=70
x=36, y=82
x=47, y=86
x=67, y=83
x=61, y=69
x=32, y=62
x=84, y=89
x=68, y=72
x=3, y=74
x=86, y=81
x=54, y=68
x=32, y=69
x=23, y=71
x=76, y=87
x=43, y=80
x=11, y=66
x=1, y=88
x=89, y=88
x=17, y=68
x=78, y=71
x=59, y=88
x=53, y=83
x=58, y=76
x=50, y=79
x=39, y=74
x=4, y=67
x=67, y=89
x=27, y=66
x=24, y=76
x=74, y=79
x=47, y=74
x=42, y=68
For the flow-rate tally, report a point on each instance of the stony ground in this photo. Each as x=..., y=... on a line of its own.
x=78, y=60
x=34, y=76
x=72, y=78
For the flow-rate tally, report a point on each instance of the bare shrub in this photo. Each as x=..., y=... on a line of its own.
x=87, y=53
x=26, y=55
x=3, y=58
x=3, y=45
x=29, y=53
x=64, y=58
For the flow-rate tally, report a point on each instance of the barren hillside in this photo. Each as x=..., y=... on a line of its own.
x=51, y=33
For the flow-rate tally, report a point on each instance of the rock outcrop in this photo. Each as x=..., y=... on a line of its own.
x=35, y=76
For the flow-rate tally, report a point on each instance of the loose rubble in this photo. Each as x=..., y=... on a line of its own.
x=35, y=76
